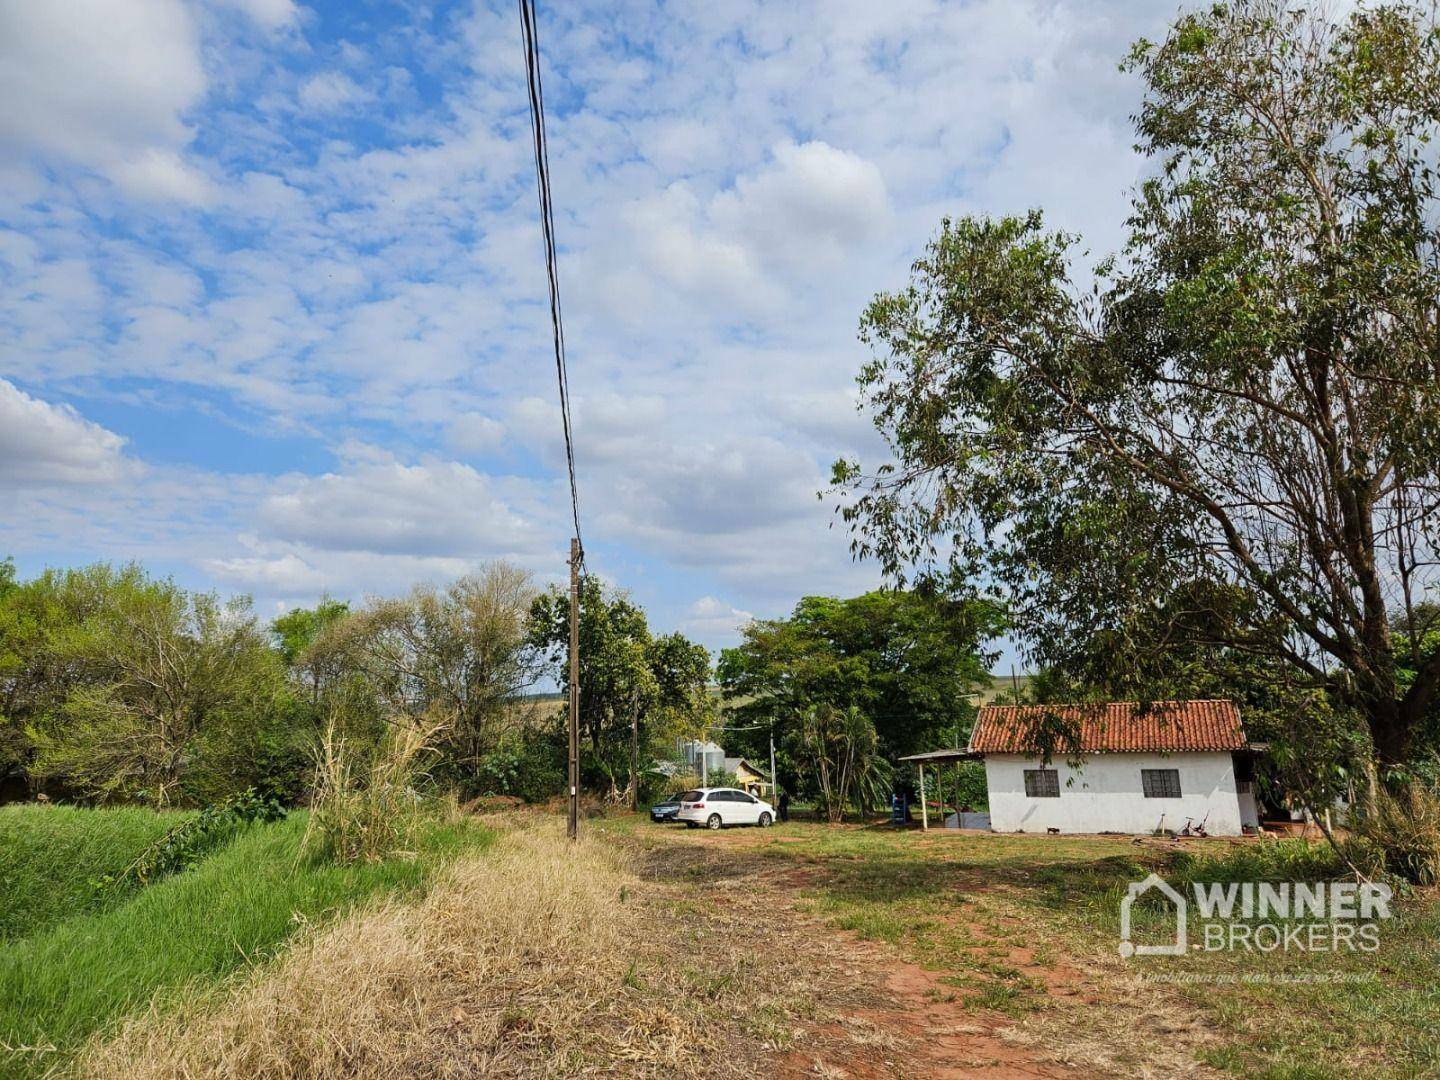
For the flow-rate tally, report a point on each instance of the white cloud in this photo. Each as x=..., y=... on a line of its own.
x=43, y=445
x=472, y=433
x=331, y=91
x=734, y=182
x=163, y=175
x=105, y=84
x=269, y=14
x=711, y=618
x=379, y=505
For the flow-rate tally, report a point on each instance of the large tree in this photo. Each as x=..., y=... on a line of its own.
x=906, y=659
x=633, y=685
x=1228, y=443
x=458, y=658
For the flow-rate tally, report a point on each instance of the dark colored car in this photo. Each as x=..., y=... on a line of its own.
x=666, y=808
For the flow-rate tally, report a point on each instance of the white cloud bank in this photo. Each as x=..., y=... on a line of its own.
x=105, y=84
x=45, y=445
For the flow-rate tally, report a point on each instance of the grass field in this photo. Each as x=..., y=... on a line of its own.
x=74, y=974
x=52, y=857
x=797, y=951
x=1027, y=927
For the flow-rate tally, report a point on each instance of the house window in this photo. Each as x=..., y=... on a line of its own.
x=1160, y=783
x=1042, y=783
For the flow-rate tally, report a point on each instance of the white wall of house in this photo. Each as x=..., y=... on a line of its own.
x=1104, y=794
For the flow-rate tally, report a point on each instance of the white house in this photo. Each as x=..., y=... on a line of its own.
x=1123, y=768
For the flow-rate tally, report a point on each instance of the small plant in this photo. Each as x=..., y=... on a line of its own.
x=367, y=810
x=185, y=844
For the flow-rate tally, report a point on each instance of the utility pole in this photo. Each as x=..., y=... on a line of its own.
x=635, y=752
x=774, y=780
x=574, y=824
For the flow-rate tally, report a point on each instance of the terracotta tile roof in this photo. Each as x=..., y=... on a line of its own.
x=1114, y=727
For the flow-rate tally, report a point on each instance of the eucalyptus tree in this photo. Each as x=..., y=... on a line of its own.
x=1227, y=442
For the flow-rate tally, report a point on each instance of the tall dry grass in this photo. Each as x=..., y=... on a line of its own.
x=1398, y=833
x=521, y=962
x=367, y=809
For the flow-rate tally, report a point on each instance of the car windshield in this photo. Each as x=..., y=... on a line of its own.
x=672, y=798
x=691, y=796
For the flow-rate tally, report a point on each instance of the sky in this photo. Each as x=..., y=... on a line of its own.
x=273, y=316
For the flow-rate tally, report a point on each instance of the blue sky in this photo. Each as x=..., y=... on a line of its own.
x=273, y=305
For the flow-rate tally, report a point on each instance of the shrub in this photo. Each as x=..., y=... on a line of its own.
x=186, y=843
x=528, y=765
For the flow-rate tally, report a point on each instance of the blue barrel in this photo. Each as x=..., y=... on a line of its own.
x=899, y=809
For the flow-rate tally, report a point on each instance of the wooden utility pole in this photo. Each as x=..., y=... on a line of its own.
x=774, y=780
x=635, y=753
x=574, y=824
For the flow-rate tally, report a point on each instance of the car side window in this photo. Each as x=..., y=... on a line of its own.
x=749, y=799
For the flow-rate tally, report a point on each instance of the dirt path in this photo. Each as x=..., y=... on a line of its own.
x=879, y=1013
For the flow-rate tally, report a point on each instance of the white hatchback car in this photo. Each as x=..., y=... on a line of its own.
x=718, y=807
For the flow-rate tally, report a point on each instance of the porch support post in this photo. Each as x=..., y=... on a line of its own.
x=924, y=813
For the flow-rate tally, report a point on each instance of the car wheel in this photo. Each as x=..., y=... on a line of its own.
x=765, y=821
x=714, y=822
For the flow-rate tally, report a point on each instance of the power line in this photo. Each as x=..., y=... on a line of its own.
x=547, y=226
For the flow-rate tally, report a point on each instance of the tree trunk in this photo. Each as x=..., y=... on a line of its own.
x=1388, y=731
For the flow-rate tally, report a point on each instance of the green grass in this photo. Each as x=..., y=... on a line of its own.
x=51, y=858
x=185, y=934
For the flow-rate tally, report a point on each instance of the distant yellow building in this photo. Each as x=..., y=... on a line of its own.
x=749, y=778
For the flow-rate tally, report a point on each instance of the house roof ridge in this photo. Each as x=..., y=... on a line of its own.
x=1174, y=725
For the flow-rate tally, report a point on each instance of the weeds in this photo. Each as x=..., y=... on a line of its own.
x=1280, y=860
x=173, y=940
x=1398, y=834
x=519, y=963
x=187, y=842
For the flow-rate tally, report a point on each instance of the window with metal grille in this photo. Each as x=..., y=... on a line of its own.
x=1042, y=783
x=1160, y=783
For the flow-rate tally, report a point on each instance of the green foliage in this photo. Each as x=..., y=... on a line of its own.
x=1227, y=451
x=1277, y=860
x=188, y=841
x=627, y=677
x=527, y=765
x=167, y=674
x=965, y=784
x=186, y=933
x=453, y=660
x=907, y=659
x=35, y=677
x=299, y=628
x=51, y=857
x=840, y=751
